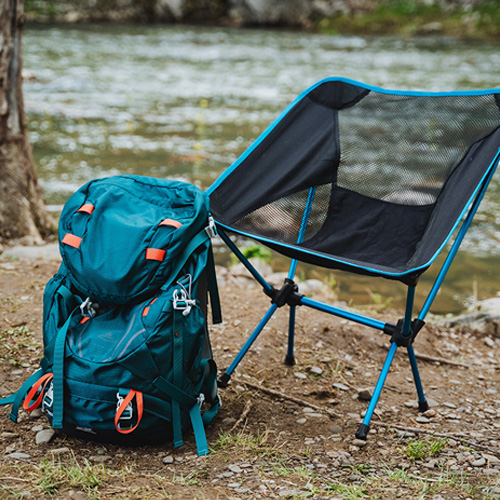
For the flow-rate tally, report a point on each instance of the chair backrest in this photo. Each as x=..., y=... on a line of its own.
x=362, y=177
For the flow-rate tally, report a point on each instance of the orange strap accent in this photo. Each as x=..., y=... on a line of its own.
x=146, y=309
x=170, y=222
x=155, y=254
x=71, y=240
x=84, y=320
x=128, y=398
x=88, y=208
x=45, y=379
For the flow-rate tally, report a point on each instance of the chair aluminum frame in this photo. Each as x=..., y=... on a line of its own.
x=402, y=334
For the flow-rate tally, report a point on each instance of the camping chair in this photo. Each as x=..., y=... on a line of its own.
x=366, y=180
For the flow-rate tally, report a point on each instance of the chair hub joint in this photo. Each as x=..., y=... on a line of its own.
x=396, y=332
x=287, y=294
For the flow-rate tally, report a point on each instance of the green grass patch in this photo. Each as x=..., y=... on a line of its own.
x=56, y=476
x=423, y=449
x=413, y=17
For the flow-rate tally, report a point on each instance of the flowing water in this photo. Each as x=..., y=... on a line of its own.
x=184, y=102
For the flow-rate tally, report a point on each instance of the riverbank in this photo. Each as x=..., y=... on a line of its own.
x=464, y=19
x=283, y=432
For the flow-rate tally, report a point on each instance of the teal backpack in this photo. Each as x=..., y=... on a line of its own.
x=127, y=357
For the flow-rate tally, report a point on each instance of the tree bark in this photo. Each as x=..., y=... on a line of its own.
x=23, y=213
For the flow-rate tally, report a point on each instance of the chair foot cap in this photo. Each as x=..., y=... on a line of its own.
x=223, y=380
x=289, y=360
x=423, y=406
x=362, y=432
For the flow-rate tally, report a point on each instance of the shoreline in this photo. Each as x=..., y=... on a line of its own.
x=407, y=19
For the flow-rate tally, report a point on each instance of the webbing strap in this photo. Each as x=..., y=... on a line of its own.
x=177, y=365
x=198, y=240
x=28, y=404
x=17, y=398
x=58, y=370
x=213, y=289
x=174, y=392
x=199, y=430
x=140, y=407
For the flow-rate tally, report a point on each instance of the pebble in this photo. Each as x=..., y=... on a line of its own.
x=364, y=394
x=422, y=420
x=169, y=459
x=58, y=451
x=17, y=456
x=492, y=459
x=302, y=421
x=360, y=443
x=38, y=428
x=8, y=435
x=479, y=462
x=316, y=370
x=45, y=436
x=100, y=458
x=342, y=387
x=300, y=375
x=235, y=468
x=429, y=413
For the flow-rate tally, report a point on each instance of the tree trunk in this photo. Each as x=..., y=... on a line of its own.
x=23, y=213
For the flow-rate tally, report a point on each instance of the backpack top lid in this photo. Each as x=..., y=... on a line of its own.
x=119, y=236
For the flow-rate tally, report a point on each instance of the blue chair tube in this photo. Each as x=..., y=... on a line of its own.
x=244, y=260
x=365, y=426
x=422, y=402
x=236, y=361
x=341, y=313
x=456, y=244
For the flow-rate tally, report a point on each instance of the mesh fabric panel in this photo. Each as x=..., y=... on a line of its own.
x=281, y=220
x=401, y=149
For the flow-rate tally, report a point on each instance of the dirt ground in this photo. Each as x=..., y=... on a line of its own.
x=282, y=432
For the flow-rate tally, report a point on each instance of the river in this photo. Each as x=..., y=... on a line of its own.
x=184, y=102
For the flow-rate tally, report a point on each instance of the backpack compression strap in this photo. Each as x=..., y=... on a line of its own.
x=17, y=398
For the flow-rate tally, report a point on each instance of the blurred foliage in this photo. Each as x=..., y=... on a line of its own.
x=414, y=18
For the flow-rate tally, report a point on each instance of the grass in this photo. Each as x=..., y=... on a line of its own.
x=423, y=449
x=242, y=442
x=13, y=343
x=415, y=17
x=56, y=476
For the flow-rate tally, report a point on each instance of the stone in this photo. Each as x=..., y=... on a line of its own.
x=302, y=421
x=479, y=462
x=169, y=459
x=300, y=375
x=315, y=370
x=364, y=394
x=492, y=459
x=8, y=435
x=100, y=459
x=422, y=420
x=429, y=413
x=360, y=443
x=17, y=456
x=340, y=386
x=45, y=436
x=235, y=468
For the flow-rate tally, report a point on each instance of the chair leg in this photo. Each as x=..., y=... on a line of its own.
x=422, y=402
x=364, y=428
x=290, y=358
x=224, y=378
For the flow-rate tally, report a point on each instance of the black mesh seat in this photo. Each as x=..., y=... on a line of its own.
x=393, y=173
x=366, y=180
